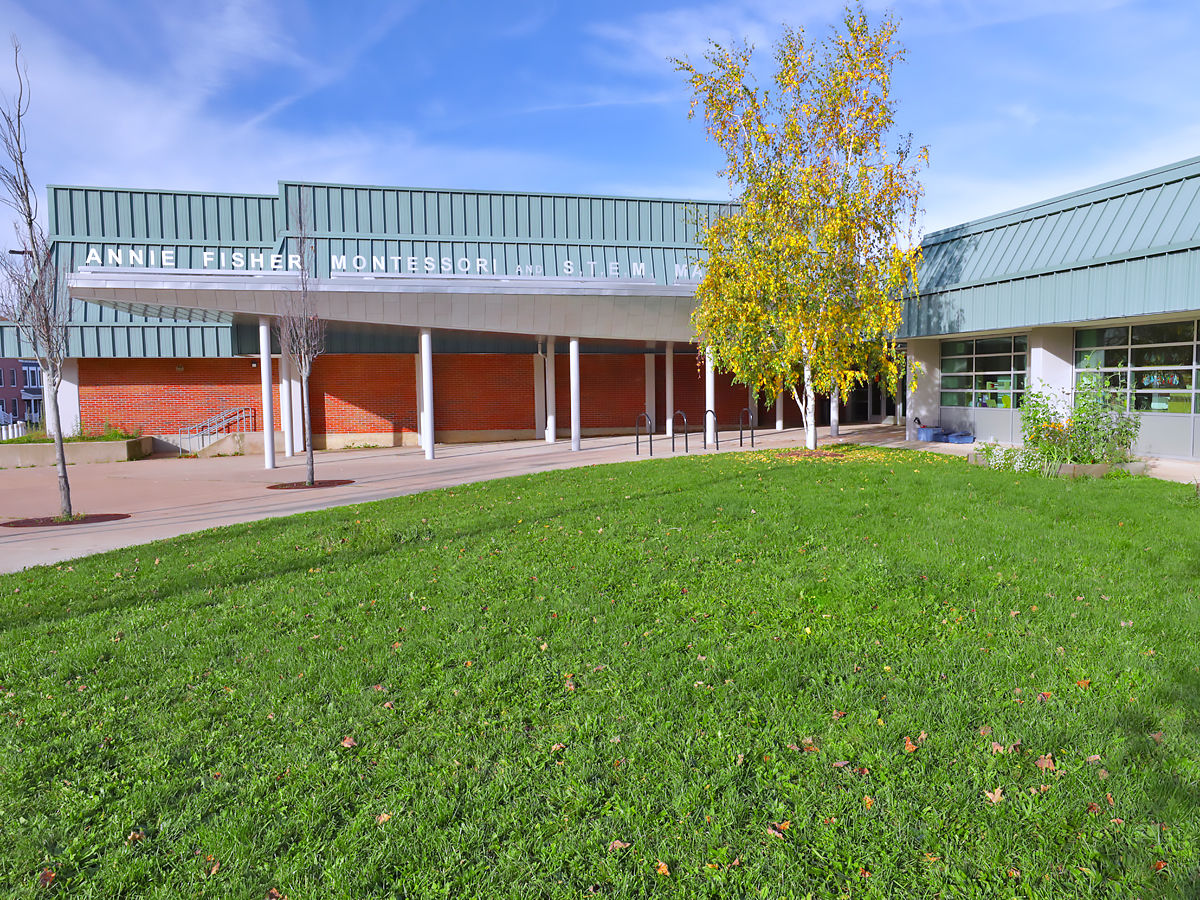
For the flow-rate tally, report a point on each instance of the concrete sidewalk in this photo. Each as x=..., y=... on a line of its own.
x=168, y=497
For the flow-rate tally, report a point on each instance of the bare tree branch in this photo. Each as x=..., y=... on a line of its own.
x=301, y=329
x=34, y=290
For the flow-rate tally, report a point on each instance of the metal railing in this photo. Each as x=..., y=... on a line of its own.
x=749, y=422
x=229, y=421
x=716, y=431
x=637, y=432
x=678, y=413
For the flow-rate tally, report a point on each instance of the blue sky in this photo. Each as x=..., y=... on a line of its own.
x=1018, y=100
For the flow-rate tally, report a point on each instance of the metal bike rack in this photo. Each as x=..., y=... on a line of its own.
x=637, y=434
x=678, y=413
x=716, y=431
x=749, y=422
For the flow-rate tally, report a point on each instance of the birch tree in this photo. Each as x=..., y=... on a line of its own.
x=301, y=329
x=35, y=294
x=809, y=270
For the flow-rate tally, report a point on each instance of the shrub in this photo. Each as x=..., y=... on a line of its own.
x=1057, y=432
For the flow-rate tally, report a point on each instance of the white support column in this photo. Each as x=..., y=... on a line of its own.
x=576, y=431
x=427, y=391
x=69, y=413
x=420, y=398
x=710, y=399
x=539, y=393
x=285, y=405
x=669, y=388
x=268, y=400
x=924, y=399
x=297, y=392
x=551, y=397
x=650, y=410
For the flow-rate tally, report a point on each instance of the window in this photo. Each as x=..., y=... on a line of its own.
x=1142, y=367
x=985, y=373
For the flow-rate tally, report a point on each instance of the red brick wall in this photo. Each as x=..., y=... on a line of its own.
x=689, y=393
x=482, y=391
x=151, y=395
x=376, y=393
x=369, y=393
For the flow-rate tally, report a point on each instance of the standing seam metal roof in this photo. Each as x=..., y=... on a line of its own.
x=1126, y=247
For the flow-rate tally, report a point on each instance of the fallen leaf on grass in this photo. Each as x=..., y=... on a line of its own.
x=554, y=748
x=994, y=796
x=349, y=742
x=1159, y=866
x=1084, y=683
x=618, y=845
x=863, y=873
x=838, y=714
x=383, y=817
x=930, y=858
x=1014, y=873
x=1093, y=808
x=997, y=747
x=862, y=770
x=868, y=802
x=985, y=730
x=841, y=764
x=379, y=687
x=661, y=868
x=46, y=878
x=273, y=894
x=1117, y=821
x=775, y=832
x=1110, y=800
x=1158, y=737
x=1094, y=758
x=134, y=837
x=922, y=738
x=1043, y=696
x=1015, y=745
x=389, y=705
x=1046, y=761
x=909, y=746
x=1103, y=773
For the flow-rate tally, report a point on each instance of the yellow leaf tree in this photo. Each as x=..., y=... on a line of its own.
x=805, y=275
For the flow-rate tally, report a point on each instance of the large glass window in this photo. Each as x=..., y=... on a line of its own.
x=988, y=372
x=1143, y=367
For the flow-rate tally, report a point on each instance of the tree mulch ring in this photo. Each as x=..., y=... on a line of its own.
x=814, y=454
x=52, y=521
x=303, y=485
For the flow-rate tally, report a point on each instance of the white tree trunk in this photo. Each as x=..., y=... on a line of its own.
x=54, y=424
x=308, y=444
x=810, y=403
x=835, y=397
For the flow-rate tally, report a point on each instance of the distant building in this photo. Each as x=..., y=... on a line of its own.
x=20, y=391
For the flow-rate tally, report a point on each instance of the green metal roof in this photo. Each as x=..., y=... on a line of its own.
x=508, y=229
x=1128, y=247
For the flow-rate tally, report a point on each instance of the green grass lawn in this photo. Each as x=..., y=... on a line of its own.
x=768, y=677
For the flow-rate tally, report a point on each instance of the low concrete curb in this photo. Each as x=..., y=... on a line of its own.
x=78, y=452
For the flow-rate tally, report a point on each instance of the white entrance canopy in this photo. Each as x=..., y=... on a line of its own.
x=616, y=309
x=587, y=308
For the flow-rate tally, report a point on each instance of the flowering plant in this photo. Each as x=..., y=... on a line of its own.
x=1058, y=432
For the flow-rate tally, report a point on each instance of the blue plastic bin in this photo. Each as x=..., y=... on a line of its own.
x=960, y=437
x=928, y=433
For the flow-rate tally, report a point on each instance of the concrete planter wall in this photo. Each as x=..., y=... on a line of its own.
x=78, y=452
x=1136, y=467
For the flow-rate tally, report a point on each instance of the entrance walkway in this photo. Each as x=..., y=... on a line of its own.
x=169, y=497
